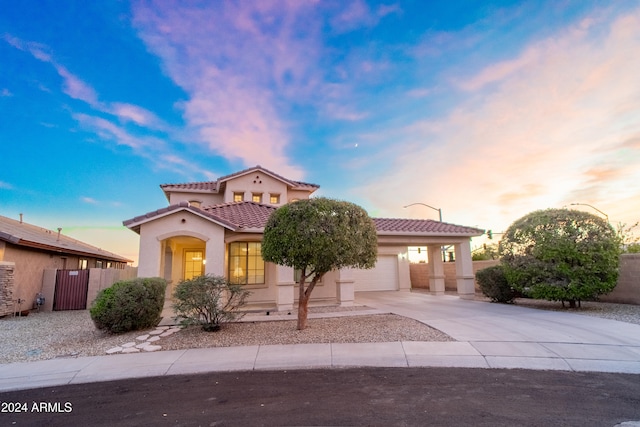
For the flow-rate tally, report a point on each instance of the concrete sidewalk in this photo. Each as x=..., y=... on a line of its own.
x=489, y=336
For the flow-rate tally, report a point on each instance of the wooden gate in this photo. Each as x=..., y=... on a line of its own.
x=71, y=290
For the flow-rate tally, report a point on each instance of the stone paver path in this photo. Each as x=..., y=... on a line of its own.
x=146, y=342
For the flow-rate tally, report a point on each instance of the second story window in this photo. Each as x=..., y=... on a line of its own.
x=238, y=197
x=274, y=199
x=257, y=197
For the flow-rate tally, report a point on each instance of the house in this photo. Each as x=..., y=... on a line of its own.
x=27, y=251
x=216, y=227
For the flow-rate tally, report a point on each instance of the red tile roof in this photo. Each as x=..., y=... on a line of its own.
x=202, y=186
x=421, y=226
x=245, y=216
x=242, y=214
x=216, y=186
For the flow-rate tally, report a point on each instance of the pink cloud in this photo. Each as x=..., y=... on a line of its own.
x=237, y=62
x=547, y=134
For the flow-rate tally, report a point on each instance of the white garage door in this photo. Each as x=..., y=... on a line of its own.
x=383, y=277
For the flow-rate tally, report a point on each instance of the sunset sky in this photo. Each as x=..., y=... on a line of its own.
x=487, y=110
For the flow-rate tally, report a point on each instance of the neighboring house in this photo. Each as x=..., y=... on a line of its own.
x=216, y=227
x=26, y=251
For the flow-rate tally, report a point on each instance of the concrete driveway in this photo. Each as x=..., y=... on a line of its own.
x=509, y=336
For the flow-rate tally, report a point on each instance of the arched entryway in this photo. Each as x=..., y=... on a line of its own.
x=183, y=257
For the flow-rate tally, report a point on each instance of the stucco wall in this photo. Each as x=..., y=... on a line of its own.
x=29, y=267
x=627, y=291
x=420, y=274
x=256, y=182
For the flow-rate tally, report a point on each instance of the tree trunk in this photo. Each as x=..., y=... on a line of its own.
x=303, y=303
x=303, y=308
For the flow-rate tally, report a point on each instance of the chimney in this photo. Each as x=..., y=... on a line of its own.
x=20, y=218
x=59, y=230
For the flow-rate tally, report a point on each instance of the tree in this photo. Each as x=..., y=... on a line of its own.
x=485, y=253
x=629, y=241
x=561, y=255
x=316, y=236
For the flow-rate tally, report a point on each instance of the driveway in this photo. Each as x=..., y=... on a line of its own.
x=509, y=336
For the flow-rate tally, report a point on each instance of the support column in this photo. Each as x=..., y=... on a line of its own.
x=345, y=287
x=464, y=270
x=436, y=270
x=284, y=288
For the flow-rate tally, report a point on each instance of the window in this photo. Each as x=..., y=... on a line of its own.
x=195, y=203
x=274, y=199
x=193, y=262
x=98, y=264
x=257, y=197
x=246, y=266
x=82, y=264
x=238, y=197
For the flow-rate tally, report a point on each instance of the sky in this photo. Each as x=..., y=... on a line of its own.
x=487, y=110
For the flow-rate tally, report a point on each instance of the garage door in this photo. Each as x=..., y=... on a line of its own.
x=383, y=277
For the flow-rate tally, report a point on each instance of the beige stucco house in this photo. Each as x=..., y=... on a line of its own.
x=216, y=227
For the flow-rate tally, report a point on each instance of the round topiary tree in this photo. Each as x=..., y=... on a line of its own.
x=316, y=236
x=561, y=255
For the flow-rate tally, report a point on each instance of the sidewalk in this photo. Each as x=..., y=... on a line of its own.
x=488, y=336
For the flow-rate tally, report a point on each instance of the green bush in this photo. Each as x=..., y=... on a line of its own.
x=208, y=301
x=494, y=284
x=561, y=255
x=129, y=305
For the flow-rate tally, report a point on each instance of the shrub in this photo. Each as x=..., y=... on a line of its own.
x=494, y=284
x=561, y=255
x=208, y=301
x=129, y=305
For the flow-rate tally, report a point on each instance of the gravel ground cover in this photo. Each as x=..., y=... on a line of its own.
x=49, y=335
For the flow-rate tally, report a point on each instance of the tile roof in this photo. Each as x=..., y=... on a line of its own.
x=244, y=216
x=422, y=226
x=202, y=186
x=216, y=186
x=235, y=215
x=23, y=234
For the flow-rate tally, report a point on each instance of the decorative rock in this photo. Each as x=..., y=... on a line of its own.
x=143, y=344
x=156, y=332
x=128, y=344
x=153, y=339
x=131, y=350
x=114, y=350
x=164, y=328
x=142, y=337
x=152, y=348
x=166, y=334
x=174, y=330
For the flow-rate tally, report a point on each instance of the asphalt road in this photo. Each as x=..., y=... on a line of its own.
x=364, y=396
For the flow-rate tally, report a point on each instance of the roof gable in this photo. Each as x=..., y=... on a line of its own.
x=219, y=185
x=235, y=216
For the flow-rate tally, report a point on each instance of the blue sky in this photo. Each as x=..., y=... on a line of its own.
x=487, y=110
